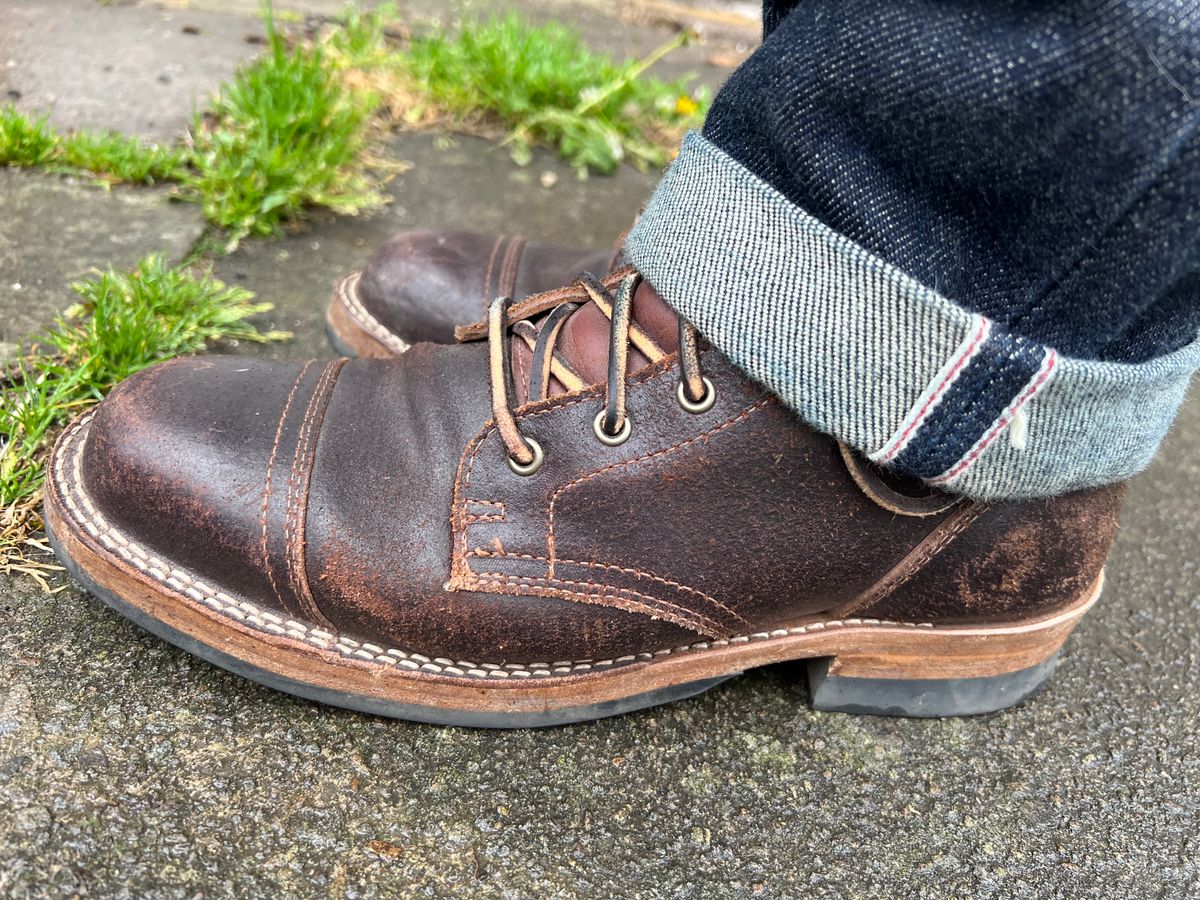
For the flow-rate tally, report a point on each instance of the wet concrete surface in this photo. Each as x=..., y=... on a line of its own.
x=152, y=68
x=54, y=230
x=129, y=769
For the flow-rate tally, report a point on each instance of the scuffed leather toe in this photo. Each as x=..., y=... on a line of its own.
x=178, y=455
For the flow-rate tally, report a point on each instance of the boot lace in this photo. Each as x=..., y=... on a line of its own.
x=614, y=296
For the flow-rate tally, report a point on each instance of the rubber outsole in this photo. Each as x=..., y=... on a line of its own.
x=340, y=347
x=925, y=698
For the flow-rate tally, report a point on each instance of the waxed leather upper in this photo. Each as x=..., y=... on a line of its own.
x=374, y=498
x=421, y=285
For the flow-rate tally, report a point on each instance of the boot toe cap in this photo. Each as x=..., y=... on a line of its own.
x=420, y=285
x=175, y=461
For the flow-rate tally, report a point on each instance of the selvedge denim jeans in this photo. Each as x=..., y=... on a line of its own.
x=962, y=237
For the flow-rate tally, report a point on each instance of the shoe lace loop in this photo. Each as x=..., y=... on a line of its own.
x=612, y=423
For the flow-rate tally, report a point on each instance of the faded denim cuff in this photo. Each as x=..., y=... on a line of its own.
x=883, y=363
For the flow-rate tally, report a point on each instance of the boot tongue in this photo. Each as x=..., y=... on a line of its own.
x=583, y=341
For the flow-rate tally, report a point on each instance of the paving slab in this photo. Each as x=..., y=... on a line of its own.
x=128, y=768
x=54, y=230
x=140, y=70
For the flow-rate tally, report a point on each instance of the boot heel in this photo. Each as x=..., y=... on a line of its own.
x=924, y=697
x=944, y=670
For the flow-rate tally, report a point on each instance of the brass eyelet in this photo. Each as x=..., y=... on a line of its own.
x=612, y=440
x=703, y=405
x=534, y=464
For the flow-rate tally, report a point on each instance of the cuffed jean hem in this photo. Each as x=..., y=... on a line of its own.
x=883, y=363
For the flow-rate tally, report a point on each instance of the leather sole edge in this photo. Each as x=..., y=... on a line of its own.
x=352, y=329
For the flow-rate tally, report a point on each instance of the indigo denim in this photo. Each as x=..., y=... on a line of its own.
x=1036, y=161
x=959, y=236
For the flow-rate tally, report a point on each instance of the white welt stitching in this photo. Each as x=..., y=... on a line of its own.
x=247, y=614
x=359, y=313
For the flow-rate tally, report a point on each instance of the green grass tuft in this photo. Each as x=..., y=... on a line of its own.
x=546, y=86
x=360, y=37
x=30, y=143
x=286, y=134
x=24, y=141
x=124, y=322
x=121, y=158
x=291, y=130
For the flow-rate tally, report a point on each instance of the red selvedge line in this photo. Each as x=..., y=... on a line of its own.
x=1036, y=385
x=964, y=357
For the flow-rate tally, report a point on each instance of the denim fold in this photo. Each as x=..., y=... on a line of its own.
x=883, y=363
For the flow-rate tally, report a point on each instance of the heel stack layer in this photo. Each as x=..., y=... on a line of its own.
x=955, y=652
x=945, y=671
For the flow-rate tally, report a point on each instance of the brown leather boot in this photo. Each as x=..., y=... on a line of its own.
x=568, y=520
x=421, y=285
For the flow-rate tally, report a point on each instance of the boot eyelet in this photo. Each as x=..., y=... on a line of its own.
x=612, y=440
x=703, y=405
x=534, y=464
